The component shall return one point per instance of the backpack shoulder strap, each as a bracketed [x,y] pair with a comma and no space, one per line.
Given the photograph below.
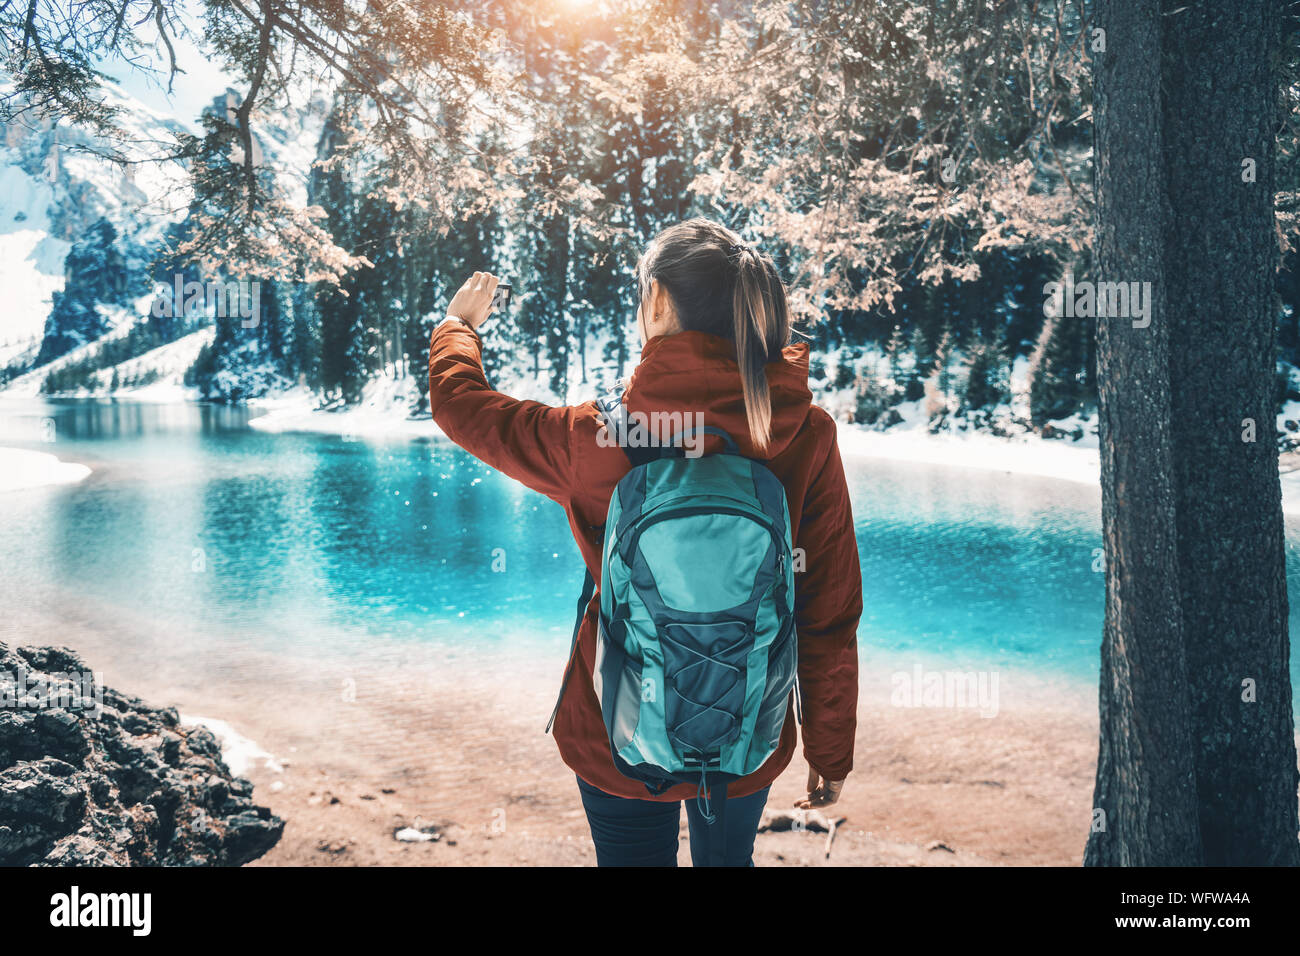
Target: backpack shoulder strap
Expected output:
[588,589]
[614,414]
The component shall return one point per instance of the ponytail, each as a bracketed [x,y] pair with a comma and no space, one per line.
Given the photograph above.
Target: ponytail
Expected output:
[723,286]
[755,326]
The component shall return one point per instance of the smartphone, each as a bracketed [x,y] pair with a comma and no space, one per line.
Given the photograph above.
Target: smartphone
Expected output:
[501,298]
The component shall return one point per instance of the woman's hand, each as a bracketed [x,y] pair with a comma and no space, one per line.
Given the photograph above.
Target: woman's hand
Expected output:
[821,792]
[473,301]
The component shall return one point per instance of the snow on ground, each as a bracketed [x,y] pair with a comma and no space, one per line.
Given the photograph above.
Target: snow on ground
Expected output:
[1026,454]
[1022,451]
[29,385]
[384,411]
[170,362]
[20,468]
[1291,493]
[31,260]
[146,196]
[79,186]
[1076,457]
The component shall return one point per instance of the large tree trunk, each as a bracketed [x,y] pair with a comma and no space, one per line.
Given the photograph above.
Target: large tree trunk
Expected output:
[1146,785]
[1190,769]
[1221,261]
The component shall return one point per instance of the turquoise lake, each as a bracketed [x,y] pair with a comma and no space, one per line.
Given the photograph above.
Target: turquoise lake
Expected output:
[196,522]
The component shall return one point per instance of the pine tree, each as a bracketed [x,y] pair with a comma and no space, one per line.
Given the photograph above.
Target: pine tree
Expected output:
[1059,376]
[303,354]
[922,354]
[342,363]
[96,275]
[986,374]
[1057,369]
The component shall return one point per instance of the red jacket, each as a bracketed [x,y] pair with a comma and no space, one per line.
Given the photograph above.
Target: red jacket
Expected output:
[555,451]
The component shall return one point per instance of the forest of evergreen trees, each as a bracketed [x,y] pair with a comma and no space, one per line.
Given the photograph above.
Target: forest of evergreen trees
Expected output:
[919,171]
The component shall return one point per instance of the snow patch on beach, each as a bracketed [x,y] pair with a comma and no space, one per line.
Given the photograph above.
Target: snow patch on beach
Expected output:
[239,752]
[20,468]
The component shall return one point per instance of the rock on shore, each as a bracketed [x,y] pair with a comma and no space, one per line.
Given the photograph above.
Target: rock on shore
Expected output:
[127,786]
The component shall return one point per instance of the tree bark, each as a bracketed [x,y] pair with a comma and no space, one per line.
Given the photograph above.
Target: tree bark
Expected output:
[1146,785]
[1218,65]
[1190,770]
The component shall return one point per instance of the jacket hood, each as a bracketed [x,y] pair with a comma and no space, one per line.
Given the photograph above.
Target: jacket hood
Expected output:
[689,371]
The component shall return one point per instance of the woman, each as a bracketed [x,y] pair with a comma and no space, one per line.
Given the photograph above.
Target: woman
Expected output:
[714,326]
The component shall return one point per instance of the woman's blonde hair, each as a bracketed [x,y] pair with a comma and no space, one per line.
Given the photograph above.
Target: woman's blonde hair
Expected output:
[720,284]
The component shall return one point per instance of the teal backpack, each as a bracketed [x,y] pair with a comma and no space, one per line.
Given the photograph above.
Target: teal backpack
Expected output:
[696,649]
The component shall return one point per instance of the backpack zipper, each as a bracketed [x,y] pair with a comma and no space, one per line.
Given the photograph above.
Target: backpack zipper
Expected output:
[756,516]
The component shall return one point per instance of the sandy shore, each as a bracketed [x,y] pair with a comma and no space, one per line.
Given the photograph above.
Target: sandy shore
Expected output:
[410,736]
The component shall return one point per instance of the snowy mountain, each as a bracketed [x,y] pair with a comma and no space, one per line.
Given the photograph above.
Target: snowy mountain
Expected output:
[79,234]
[31,258]
[56,186]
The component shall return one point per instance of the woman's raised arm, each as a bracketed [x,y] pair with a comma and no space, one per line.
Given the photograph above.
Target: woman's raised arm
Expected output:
[531,442]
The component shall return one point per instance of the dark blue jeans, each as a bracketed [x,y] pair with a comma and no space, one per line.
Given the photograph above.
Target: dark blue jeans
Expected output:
[644,832]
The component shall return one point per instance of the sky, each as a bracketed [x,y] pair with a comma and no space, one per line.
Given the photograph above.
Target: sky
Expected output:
[192,90]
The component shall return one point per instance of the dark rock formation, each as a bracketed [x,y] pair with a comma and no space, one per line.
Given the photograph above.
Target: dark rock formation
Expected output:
[103,779]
